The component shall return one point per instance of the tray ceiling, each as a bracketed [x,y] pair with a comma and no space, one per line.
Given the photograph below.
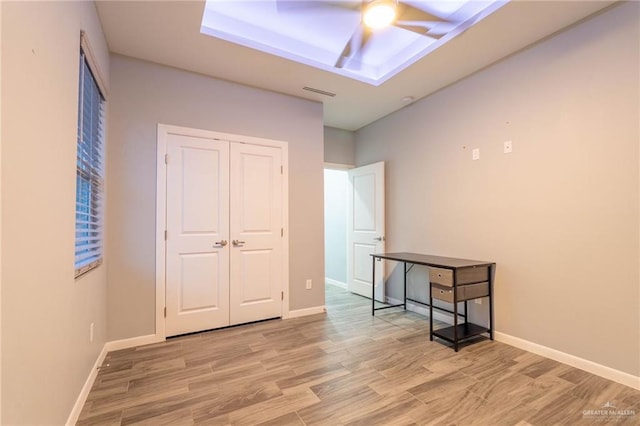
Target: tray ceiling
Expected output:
[331,36]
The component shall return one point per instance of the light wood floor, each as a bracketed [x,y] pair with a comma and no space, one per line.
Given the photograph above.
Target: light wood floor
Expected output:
[345,368]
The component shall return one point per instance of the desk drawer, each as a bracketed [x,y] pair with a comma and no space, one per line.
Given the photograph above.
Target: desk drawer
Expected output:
[474,291]
[445,293]
[441,276]
[465,292]
[473,275]
[464,276]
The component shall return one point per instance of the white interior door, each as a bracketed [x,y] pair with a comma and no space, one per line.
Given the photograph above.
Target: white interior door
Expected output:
[197,258]
[256,233]
[365,229]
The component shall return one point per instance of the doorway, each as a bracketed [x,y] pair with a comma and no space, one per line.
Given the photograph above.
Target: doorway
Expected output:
[335,226]
[355,228]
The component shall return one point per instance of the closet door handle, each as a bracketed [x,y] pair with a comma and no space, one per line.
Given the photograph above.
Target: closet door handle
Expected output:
[238,243]
[220,243]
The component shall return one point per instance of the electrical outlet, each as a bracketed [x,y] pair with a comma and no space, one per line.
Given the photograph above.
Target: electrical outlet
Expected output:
[478,301]
[91,332]
[508,147]
[475,154]
[309,284]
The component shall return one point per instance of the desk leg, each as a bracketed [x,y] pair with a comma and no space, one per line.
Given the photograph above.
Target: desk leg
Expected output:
[455,318]
[405,286]
[430,314]
[373,287]
[491,276]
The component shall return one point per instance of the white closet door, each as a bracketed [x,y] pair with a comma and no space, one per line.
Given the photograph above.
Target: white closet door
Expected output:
[256,223]
[197,260]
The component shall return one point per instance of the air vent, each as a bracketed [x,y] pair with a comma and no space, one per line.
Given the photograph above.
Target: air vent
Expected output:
[322,92]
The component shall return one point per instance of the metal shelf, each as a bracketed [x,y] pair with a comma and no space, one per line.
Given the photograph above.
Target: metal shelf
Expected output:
[464,331]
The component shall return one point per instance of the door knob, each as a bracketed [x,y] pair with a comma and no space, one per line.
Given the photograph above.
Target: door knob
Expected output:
[379,238]
[237,242]
[220,243]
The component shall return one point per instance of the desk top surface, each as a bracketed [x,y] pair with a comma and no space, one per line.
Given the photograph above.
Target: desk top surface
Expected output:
[429,260]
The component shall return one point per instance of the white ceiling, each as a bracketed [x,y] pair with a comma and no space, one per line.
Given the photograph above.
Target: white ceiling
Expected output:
[168,33]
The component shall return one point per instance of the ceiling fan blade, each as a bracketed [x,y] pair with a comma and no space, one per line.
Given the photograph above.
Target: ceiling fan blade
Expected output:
[358,40]
[347,4]
[410,13]
[296,6]
[314,5]
[419,29]
[344,56]
[366,34]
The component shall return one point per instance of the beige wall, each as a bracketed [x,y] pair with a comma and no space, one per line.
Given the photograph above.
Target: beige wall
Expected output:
[339,146]
[560,214]
[145,94]
[46,354]
[0,212]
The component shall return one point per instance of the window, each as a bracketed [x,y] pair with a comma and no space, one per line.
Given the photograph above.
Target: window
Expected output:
[89,174]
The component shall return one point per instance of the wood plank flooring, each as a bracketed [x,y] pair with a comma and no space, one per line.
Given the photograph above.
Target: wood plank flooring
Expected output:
[346,368]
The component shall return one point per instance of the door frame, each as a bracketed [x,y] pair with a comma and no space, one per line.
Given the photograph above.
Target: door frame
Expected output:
[161,209]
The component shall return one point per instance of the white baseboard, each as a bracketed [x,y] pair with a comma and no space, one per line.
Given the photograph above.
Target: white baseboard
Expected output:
[108,347]
[307,311]
[423,310]
[84,393]
[335,282]
[572,360]
[116,345]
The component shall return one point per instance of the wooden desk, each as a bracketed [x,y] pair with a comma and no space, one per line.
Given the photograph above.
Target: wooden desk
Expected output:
[450,279]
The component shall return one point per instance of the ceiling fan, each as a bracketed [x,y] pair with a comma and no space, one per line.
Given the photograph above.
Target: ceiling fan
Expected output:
[402,15]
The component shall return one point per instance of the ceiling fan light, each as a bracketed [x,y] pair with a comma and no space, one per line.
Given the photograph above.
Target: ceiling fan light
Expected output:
[380,13]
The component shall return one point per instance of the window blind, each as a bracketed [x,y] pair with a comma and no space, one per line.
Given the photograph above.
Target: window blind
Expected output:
[89,172]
